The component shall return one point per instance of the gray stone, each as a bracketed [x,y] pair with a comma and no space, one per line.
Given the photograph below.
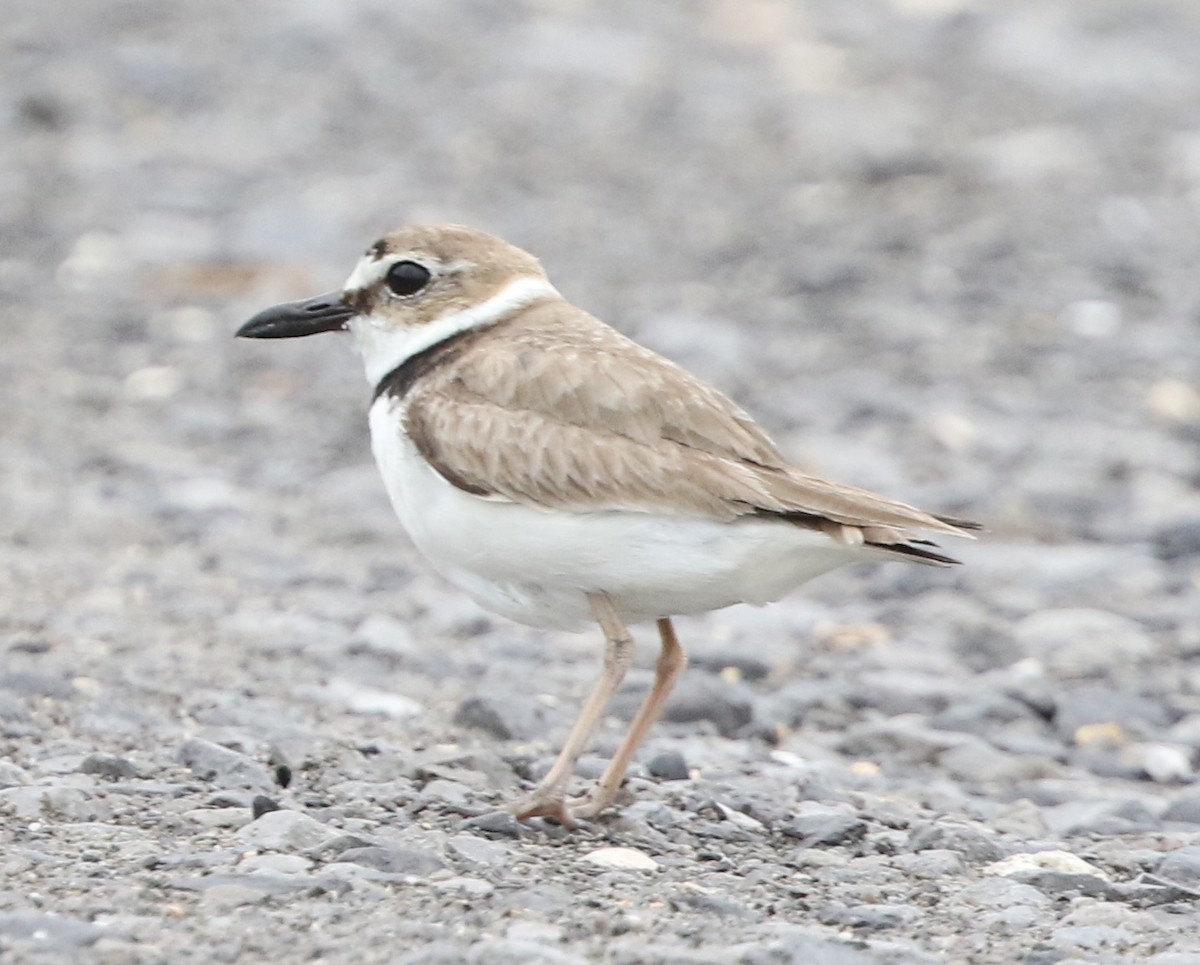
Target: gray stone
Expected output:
[285,831]
[261,884]
[903,738]
[49,930]
[12,776]
[978,761]
[1178,540]
[107,767]
[1081,704]
[933,863]
[976,845]
[394,860]
[1080,642]
[435,953]
[1093,937]
[802,949]
[479,852]
[550,900]
[748,666]
[504,716]
[480,771]
[223,766]
[442,794]
[1003,892]
[335,847]
[506,951]
[32,684]
[1182,865]
[224,896]
[496,823]
[465,887]
[1184,807]
[712,906]
[896,691]
[702,697]
[653,813]
[12,709]
[1099,817]
[55,803]
[869,917]
[983,714]
[825,830]
[668,766]
[1064,883]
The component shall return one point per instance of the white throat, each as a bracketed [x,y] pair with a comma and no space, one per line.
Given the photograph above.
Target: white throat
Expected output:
[383,348]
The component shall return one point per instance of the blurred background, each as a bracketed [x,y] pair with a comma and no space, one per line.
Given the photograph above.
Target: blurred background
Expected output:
[946,249]
[942,248]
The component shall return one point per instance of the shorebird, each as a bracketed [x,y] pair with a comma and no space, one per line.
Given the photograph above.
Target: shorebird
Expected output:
[561,474]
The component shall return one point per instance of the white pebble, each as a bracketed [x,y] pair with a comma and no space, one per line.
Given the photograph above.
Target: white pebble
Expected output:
[95,256]
[621,859]
[1093,318]
[1174,400]
[1062,861]
[952,431]
[1163,763]
[153,382]
[364,700]
[739,818]
[280,864]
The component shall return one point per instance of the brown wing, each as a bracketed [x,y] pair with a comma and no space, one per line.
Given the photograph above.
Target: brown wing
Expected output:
[562,363]
[563,412]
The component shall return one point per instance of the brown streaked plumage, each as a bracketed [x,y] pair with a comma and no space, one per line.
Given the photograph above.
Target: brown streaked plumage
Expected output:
[557,472]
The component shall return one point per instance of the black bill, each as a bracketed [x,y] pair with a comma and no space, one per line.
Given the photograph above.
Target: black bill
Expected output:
[325,313]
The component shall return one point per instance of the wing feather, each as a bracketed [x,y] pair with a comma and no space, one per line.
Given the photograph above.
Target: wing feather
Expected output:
[563,412]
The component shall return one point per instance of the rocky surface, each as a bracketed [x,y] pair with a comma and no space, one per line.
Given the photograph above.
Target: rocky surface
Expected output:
[942,248]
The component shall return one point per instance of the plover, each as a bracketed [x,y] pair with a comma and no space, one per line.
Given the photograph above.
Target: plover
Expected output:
[561,474]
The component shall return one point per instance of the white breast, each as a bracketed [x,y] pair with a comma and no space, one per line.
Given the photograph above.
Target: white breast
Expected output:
[535,566]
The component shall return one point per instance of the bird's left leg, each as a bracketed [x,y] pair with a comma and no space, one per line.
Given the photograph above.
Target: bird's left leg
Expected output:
[547,799]
[671,663]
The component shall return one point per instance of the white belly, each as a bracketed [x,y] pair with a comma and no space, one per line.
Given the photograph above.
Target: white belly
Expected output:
[536,566]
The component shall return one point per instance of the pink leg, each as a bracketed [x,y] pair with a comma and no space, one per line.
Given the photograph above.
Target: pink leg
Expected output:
[547,799]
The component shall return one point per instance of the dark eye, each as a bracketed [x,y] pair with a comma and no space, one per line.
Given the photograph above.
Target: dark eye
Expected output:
[406,278]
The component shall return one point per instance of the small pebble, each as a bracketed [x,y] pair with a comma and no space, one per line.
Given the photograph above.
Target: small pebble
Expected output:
[1182,865]
[285,831]
[1043,861]
[480,852]
[621,859]
[668,766]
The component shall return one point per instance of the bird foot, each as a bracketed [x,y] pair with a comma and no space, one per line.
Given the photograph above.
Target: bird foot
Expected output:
[544,802]
[550,802]
[590,805]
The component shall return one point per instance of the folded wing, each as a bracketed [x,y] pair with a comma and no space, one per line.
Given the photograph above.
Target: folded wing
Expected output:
[576,417]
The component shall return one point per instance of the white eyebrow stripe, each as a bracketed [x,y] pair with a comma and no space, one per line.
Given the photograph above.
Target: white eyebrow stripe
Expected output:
[368,271]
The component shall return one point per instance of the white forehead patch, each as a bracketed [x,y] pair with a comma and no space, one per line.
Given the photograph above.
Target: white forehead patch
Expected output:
[368,272]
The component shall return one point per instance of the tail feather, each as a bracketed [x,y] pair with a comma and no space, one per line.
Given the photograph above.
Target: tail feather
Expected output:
[957,523]
[891,539]
[915,550]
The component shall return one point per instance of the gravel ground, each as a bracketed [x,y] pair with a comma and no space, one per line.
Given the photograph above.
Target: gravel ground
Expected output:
[942,248]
